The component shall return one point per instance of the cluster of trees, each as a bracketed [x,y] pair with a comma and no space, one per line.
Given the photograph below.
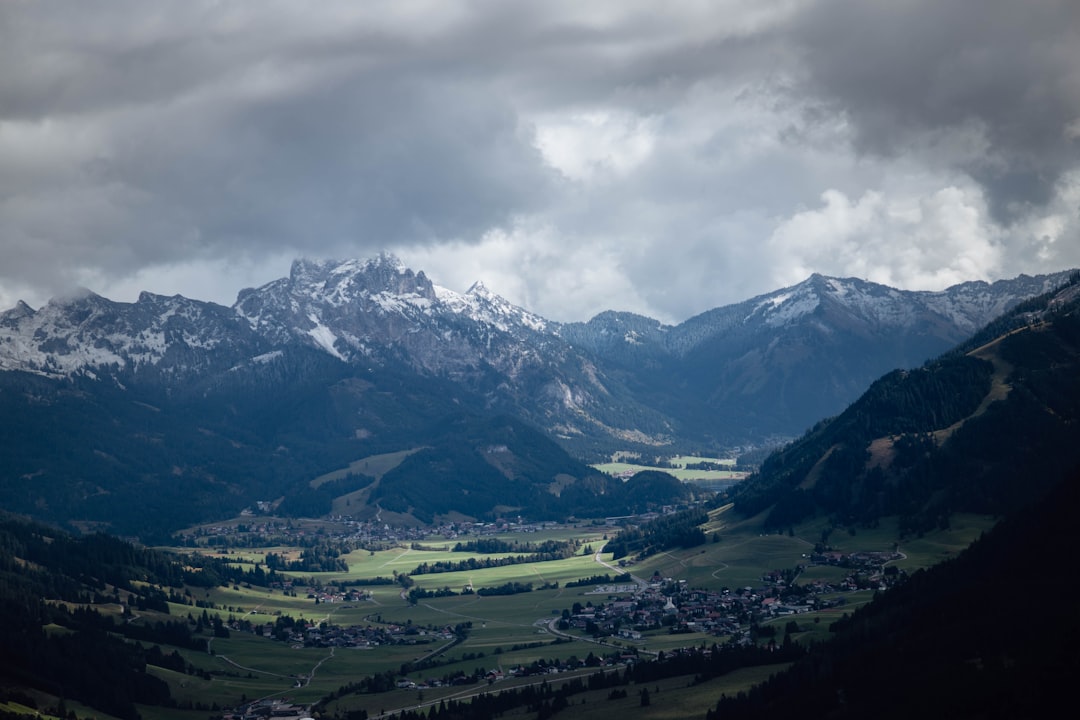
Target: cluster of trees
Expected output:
[416,594]
[604,579]
[677,530]
[508,588]
[319,558]
[94,660]
[473,563]
[206,571]
[558,549]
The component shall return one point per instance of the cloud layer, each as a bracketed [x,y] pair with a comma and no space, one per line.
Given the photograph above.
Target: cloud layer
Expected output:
[574,156]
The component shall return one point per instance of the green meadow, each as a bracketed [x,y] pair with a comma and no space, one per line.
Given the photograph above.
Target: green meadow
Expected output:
[682,473]
[506,630]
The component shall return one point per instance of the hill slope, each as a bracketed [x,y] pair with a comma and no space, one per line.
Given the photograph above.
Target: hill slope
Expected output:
[983,428]
[949,642]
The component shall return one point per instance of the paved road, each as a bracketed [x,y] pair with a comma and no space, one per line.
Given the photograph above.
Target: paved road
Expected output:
[620,571]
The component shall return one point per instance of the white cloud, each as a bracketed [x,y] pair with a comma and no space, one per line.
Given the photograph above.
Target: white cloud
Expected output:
[538,268]
[919,243]
[586,146]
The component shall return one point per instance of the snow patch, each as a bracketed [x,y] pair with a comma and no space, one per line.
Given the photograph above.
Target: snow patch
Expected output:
[323,337]
[267,357]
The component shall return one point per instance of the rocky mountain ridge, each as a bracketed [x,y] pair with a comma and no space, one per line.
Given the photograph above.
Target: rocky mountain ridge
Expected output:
[740,373]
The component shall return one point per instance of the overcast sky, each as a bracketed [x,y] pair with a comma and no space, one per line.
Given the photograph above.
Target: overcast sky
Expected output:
[662,158]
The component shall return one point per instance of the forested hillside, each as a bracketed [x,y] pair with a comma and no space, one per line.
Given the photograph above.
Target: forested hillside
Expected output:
[981,429]
[954,641]
[65,600]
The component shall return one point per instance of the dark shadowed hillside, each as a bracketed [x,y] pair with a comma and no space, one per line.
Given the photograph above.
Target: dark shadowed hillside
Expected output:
[984,428]
[953,641]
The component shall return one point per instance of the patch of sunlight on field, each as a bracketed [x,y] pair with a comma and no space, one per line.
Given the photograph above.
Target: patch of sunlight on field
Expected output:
[374,466]
[621,468]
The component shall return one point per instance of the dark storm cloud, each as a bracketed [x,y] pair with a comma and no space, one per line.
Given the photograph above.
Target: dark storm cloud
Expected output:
[663,158]
[184,130]
[1004,73]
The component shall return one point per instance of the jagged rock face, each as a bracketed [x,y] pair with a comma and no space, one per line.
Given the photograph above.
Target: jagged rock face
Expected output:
[379,309]
[348,309]
[767,366]
[90,334]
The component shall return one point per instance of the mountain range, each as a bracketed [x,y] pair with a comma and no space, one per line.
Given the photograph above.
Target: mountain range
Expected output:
[214,407]
[769,366]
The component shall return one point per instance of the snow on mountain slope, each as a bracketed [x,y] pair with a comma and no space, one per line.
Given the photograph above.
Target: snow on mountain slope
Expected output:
[958,310]
[358,310]
[379,308]
[86,331]
[784,358]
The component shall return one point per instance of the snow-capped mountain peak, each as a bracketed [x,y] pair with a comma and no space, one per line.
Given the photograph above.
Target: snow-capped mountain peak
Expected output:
[760,358]
[84,331]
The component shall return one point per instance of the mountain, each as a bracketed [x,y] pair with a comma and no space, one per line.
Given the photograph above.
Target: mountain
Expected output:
[986,427]
[150,415]
[157,337]
[775,364]
[740,374]
[368,316]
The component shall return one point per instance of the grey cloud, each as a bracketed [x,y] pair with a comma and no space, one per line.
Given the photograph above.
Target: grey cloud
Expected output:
[903,71]
[200,139]
[137,136]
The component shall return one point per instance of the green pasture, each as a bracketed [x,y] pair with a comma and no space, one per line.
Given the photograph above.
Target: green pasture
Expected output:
[943,544]
[249,666]
[366,565]
[684,460]
[225,688]
[813,627]
[373,466]
[617,468]
[823,573]
[19,709]
[736,560]
[507,619]
[256,603]
[670,698]
[743,553]
[252,666]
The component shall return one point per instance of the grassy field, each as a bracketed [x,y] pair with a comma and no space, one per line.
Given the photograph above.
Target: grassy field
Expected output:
[670,698]
[684,460]
[373,466]
[618,468]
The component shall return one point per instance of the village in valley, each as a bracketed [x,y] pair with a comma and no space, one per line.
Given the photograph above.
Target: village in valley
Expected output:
[627,609]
